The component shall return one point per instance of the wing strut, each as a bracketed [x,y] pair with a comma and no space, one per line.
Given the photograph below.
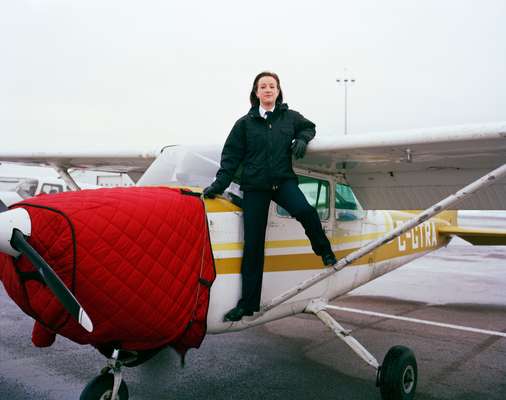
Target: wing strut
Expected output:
[371,246]
[67,178]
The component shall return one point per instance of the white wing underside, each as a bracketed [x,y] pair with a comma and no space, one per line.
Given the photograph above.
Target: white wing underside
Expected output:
[390,170]
[132,162]
[415,169]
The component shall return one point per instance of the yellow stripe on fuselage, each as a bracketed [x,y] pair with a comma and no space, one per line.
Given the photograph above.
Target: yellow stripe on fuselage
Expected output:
[308,261]
[277,244]
[220,204]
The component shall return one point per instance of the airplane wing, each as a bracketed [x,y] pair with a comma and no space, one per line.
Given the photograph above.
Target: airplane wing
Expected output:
[392,170]
[131,162]
[415,169]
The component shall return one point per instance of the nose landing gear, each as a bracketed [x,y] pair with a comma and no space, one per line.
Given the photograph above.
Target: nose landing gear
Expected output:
[109,385]
[101,388]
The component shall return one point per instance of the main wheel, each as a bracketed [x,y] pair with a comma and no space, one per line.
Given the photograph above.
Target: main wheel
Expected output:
[100,388]
[398,374]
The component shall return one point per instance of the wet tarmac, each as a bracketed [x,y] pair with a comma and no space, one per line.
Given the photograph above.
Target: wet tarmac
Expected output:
[298,358]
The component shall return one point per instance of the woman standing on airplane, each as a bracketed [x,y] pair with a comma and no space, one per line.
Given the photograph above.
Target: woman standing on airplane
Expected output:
[263,142]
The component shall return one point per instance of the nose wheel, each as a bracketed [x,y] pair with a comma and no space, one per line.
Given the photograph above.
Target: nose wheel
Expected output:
[109,385]
[101,387]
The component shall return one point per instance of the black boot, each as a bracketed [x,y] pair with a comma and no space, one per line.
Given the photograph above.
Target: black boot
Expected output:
[236,314]
[329,259]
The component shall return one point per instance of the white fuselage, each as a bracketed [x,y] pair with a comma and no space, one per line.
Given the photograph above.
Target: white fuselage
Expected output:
[289,260]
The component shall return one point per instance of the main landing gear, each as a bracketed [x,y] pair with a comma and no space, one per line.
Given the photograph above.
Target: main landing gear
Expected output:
[396,377]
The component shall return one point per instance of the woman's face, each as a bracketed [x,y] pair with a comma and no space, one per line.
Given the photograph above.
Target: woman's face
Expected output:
[267,91]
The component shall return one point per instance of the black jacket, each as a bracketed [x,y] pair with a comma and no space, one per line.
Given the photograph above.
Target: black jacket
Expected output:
[262,148]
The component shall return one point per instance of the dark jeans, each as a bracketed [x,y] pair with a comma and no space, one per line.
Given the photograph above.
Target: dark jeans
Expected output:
[255,207]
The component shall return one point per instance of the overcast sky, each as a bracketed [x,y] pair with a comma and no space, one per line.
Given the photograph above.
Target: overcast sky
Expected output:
[164,72]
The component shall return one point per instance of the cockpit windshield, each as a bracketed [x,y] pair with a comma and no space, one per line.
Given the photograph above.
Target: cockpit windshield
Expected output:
[183,166]
[190,167]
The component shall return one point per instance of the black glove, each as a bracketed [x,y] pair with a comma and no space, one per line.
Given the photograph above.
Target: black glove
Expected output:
[299,148]
[210,192]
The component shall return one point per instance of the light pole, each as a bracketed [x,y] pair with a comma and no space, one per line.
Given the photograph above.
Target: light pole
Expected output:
[345,81]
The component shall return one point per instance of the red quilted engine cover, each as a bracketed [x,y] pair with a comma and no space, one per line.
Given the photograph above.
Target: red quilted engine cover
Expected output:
[138,260]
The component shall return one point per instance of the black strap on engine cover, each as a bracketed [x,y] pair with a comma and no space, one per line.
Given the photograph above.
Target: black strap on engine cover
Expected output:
[188,192]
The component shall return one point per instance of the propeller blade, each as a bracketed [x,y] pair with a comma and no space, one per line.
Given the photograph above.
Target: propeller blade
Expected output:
[52,280]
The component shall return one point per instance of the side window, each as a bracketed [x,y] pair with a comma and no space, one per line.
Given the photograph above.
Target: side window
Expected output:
[317,194]
[27,188]
[50,189]
[347,207]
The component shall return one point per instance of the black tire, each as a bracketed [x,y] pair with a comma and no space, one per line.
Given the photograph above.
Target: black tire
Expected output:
[398,375]
[100,388]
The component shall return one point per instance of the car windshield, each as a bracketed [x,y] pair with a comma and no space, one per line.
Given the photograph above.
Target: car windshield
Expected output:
[23,186]
[9,184]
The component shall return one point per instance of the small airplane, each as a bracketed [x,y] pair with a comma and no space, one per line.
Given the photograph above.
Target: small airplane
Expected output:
[365,189]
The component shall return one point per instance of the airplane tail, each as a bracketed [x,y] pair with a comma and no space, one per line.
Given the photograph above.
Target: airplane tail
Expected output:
[476,236]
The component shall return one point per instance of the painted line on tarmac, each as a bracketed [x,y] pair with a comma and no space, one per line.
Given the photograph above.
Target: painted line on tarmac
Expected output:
[418,321]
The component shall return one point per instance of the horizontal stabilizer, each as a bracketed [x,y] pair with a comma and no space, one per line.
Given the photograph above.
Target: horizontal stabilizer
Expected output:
[477,236]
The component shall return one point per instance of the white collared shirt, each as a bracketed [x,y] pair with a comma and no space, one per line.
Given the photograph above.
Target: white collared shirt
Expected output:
[262,111]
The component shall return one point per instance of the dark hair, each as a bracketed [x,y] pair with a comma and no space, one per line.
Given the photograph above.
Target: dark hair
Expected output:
[255,102]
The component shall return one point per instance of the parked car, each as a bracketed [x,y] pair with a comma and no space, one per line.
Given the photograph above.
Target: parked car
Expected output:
[14,189]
